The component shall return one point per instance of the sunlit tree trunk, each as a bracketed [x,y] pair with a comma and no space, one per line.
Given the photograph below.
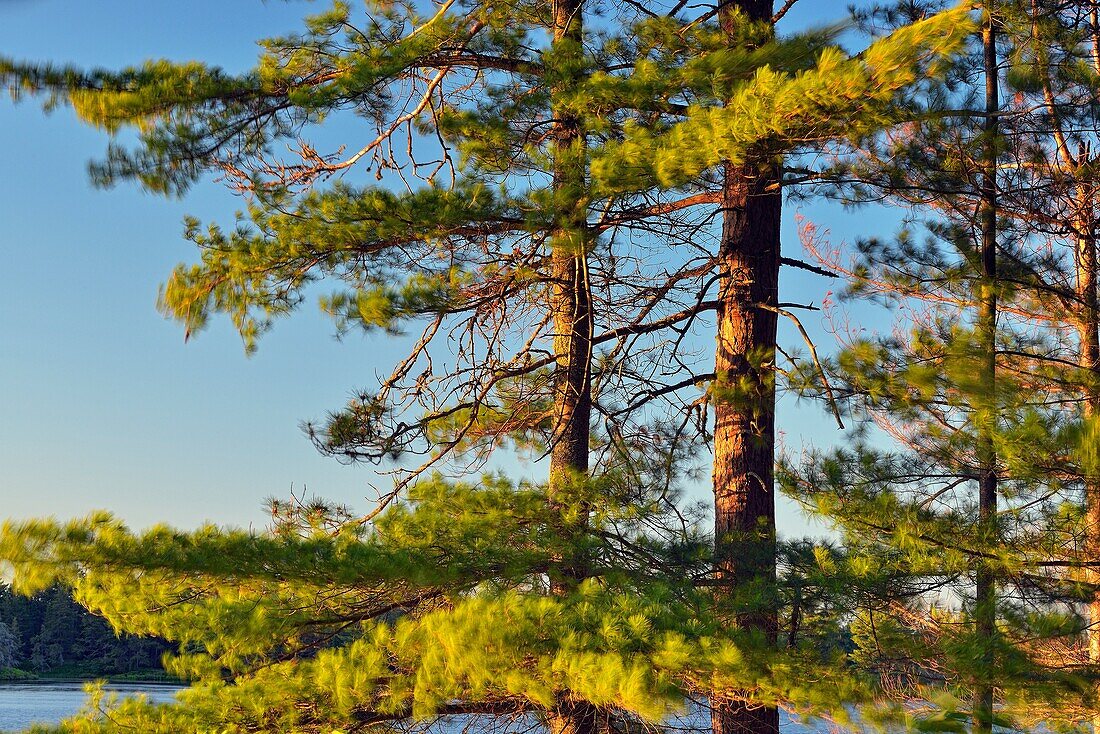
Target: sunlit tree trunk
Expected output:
[1089,338]
[570,298]
[1089,335]
[571,307]
[744,409]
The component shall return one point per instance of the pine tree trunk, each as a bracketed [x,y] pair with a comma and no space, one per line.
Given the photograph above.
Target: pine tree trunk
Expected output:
[985,583]
[1088,330]
[744,413]
[571,308]
[744,408]
[1089,336]
[570,291]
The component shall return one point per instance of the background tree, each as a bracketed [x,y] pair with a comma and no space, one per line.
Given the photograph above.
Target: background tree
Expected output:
[50,632]
[8,646]
[1057,73]
[924,387]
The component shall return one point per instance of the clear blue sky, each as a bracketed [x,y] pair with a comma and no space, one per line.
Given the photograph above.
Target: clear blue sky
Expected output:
[102,405]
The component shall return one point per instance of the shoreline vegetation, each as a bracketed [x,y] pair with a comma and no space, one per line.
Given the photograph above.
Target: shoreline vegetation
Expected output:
[50,637]
[18,675]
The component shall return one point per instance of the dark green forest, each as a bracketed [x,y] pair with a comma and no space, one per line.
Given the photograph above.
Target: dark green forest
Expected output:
[50,635]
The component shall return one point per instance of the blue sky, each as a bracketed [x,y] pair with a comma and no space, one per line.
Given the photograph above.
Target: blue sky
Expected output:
[102,404]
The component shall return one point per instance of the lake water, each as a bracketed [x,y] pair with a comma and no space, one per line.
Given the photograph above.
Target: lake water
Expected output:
[23,704]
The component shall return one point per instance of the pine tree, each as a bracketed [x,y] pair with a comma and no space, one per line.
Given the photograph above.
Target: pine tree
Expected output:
[744,405]
[1058,71]
[8,646]
[494,597]
[999,410]
[985,589]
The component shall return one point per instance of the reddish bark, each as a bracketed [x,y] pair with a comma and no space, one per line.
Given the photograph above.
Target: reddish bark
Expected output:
[744,409]
[571,309]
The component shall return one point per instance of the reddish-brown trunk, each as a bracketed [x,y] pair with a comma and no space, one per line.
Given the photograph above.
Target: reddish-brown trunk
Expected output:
[744,407]
[570,292]
[1089,335]
[744,410]
[1088,329]
[571,309]
[1090,353]
[570,297]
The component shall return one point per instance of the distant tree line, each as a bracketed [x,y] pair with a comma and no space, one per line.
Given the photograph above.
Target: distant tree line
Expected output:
[49,633]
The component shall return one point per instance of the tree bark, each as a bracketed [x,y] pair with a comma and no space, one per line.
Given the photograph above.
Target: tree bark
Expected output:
[571,309]
[1089,337]
[570,291]
[744,415]
[570,297]
[985,582]
[744,405]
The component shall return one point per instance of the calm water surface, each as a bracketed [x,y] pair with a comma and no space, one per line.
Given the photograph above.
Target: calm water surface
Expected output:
[22,704]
